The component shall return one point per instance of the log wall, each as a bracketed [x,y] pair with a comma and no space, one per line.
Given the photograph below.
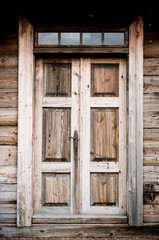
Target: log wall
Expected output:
[8,124]
[151,122]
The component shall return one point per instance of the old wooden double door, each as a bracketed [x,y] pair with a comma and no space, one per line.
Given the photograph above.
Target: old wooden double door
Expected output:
[80,162]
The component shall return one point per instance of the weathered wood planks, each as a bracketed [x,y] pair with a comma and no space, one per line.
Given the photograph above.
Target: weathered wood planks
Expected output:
[135,155]
[151,43]
[81,231]
[151,126]
[25,121]
[8,125]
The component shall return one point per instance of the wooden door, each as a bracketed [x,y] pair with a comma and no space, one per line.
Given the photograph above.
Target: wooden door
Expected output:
[103,132]
[87,182]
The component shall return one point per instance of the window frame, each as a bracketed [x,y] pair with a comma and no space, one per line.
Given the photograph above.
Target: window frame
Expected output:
[102,48]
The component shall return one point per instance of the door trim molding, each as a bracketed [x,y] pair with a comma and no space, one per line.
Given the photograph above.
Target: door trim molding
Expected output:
[25,123]
[135,140]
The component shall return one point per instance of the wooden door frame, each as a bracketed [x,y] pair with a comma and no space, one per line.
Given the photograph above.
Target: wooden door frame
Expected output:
[25,123]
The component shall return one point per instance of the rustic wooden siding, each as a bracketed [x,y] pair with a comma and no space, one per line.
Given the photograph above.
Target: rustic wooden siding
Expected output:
[8,125]
[151,122]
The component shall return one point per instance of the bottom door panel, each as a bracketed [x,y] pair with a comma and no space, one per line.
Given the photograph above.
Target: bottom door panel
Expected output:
[56,189]
[104,189]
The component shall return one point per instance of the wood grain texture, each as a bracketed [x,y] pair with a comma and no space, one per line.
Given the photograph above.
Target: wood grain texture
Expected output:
[56,132]
[8,125]
[151,66]
[8,116]
[82,231]
[8,155]
[25,121]
[105,80]
[104,189]
[57,79]
[105,134]
[151,43]
[56,190]
[135,196]
[8,135]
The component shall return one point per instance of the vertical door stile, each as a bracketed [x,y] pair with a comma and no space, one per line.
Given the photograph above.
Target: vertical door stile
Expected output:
[122,137]
[37,193]
[85,133]
[75,163]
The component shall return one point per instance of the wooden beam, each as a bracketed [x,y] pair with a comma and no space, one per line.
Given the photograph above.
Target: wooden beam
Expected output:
[135,152]
[110,231]
[25,95]
[101,50]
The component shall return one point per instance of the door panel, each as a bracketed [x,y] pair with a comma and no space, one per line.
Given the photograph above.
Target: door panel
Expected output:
[56,189]
[56,132]
[89,96]
[104,80]
[104,189]
[57,79]
[104,134]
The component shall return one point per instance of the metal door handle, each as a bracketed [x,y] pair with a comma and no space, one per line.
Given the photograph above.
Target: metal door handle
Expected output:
[75,143]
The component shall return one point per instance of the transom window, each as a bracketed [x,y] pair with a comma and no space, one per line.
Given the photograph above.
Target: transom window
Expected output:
[81,38]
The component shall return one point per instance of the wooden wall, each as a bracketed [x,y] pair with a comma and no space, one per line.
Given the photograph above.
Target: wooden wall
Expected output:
[151,121]
[8,124]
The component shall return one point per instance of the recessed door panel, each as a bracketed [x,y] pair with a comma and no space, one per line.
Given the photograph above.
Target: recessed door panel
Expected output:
[56,132]
[57,79]
[104,80]
[104,188]
[104,134]
[56,189]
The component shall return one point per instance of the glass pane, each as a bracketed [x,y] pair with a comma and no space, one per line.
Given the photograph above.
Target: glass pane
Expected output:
[105,80]
[114,38]
[48,38]
[92,38]
[70,38]
[104,134]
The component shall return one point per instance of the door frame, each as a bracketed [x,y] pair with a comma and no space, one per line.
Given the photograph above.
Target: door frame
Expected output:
[25,123]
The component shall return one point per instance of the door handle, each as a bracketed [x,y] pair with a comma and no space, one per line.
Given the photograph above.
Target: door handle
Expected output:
[75,143]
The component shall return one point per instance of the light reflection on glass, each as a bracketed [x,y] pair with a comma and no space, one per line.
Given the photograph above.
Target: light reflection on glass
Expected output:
[114,38]
[92,38]
[48,38]
[88,38]
[70,38]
